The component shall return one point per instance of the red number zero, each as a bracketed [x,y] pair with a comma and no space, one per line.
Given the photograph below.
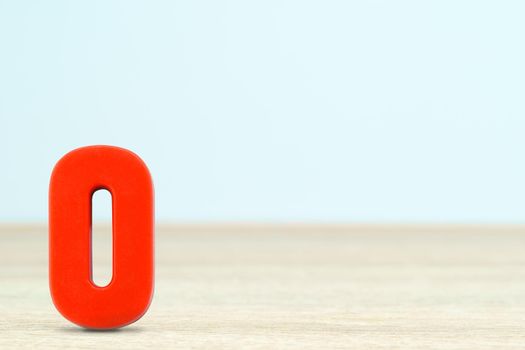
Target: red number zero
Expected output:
[75,178]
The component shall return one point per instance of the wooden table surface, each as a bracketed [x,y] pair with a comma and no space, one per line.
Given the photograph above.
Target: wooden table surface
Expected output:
[293,287]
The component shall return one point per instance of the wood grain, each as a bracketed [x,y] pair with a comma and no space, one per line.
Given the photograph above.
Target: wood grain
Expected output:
[293,287]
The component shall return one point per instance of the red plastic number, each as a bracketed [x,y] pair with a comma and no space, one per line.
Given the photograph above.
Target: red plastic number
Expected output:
[74,180]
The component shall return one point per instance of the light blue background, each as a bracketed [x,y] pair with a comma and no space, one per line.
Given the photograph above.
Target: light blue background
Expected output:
[310,111]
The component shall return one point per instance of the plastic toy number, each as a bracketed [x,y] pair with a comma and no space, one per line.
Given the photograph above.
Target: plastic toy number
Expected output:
[74,180]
